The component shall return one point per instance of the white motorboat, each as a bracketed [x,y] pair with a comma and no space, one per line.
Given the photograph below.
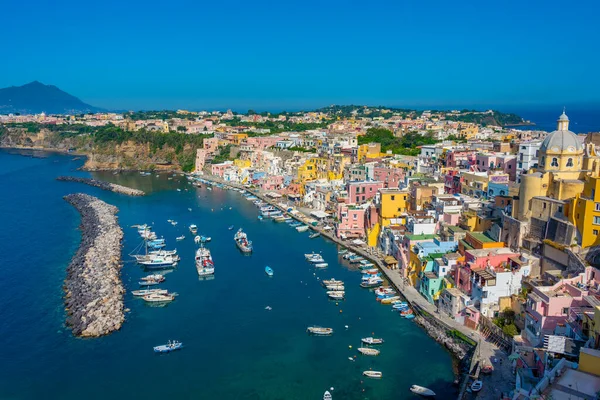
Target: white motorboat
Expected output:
[158,298]
[317,330]
[321,265]
[371,340]
[477,386]
[178,238]
[423,391]
[373,374]
[367,351]
[327,395]
[335,287]
[204,262]
[302,228]
[318,259]
[336,295]
[332,282]
[144,292]
[193,229]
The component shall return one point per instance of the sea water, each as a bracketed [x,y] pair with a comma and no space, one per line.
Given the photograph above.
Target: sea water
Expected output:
[234,347]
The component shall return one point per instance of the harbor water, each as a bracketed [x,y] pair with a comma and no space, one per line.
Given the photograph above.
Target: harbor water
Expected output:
[235,348]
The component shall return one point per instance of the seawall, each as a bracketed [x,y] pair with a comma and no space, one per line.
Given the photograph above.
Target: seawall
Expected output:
[93,287]
[113,187]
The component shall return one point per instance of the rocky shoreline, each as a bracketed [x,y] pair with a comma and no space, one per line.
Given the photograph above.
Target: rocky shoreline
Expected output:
[93,288]
[113,187]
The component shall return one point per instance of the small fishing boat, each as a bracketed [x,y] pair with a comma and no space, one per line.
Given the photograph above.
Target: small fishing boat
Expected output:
[269,271]
[202,239]
[179,238]
[371,284]
[279,218]
[348,255]
[158,298]
[477,386]
[316,259]
[153,277]
[373,374]
[174,223]
[400,306]
[159,262]
[335,287]
[193,229]
[372,271]
[231,227]
[423,391]
[407,313]
[410,316]
[332,282]
[327,395]
[169,347]
[355,260]
[367,351]
[317,330]
[342,252]
[314,235]
[371,340]
[321,265]
[366,266]
[389,300]
[144,292]
[260,217]
[302,228]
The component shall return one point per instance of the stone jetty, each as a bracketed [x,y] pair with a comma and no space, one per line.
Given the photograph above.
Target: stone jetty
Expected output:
[113,187]
[93,288]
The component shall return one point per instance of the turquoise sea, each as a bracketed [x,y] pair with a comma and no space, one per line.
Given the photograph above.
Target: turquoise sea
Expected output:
[234,348]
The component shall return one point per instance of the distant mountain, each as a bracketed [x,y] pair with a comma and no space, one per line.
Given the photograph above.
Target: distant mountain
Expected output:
[35,97]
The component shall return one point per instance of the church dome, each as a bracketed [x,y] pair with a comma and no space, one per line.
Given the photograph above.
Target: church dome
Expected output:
[562,139]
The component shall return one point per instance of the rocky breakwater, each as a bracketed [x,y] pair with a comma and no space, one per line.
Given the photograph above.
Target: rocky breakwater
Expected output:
[93,287]
[440,333]
[113,187]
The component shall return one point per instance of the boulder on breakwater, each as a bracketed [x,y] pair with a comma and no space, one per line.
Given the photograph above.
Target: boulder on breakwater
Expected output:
[113,187]
[93,288]
[440,334]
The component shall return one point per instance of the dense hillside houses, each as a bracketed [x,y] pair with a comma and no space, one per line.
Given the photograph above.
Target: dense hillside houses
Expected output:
[497,227]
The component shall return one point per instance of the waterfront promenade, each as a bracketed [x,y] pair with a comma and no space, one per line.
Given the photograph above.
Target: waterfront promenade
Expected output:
[500,382]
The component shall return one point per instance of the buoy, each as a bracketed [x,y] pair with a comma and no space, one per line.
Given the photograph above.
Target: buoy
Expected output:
[346,326]
[350,346]
[340,311]
[331,388]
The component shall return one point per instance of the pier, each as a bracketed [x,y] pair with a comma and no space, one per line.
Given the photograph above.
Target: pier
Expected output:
[112,187]
[93,287]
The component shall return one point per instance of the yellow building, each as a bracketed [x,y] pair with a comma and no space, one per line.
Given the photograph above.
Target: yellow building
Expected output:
[468,130]
[313,168]
[393,206]
[589,361]
[237,138]
[369,150]
[242,163]
[562,168]
[475,184]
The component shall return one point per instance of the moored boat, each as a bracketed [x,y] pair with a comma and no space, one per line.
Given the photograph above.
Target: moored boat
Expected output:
[423,391]
[193,229]
[373,374]
[390,300]
[178,238]
[302,228]
[371,340]
[327,395]
[241,240]
[314,235]
[332,282]
[317,330]
[269,271]
[477,386]
[144,292]
[335,287]
[367,351]
[336,294]
[158,298]
[204,262]
[321,265]
[169,347]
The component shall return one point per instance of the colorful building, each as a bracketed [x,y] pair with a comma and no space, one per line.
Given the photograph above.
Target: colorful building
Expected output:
[351,221]
[360,192]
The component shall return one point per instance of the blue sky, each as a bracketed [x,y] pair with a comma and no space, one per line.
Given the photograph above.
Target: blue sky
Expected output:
[291,55]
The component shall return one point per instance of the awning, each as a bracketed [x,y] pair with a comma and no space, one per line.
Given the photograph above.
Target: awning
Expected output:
[389,260]
[319,214]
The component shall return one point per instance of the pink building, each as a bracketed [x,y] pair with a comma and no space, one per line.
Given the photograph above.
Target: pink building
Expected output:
[261,143]
[210,144]
[488,258]
[201,155]
[359,192]
[460,158]
[351,221]
[485,161]
[451,218]
[219,169]
[391,177]
[274,182]
[548,307]
[453,182]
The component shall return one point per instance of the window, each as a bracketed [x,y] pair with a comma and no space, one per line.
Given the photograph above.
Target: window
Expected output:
[399,209]
[570,162]
[354,217]
[544,205]
[595,232]
[560,208]
[509,166]
[554,162]
[596,221]
[477,162]
[565,310]
[523,148]
[393,198]
[597,206]
[357,199]
[404,197]
[520,165]
[542,161]
[363,198]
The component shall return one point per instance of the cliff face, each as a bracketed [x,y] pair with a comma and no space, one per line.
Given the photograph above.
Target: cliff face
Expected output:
[106,156]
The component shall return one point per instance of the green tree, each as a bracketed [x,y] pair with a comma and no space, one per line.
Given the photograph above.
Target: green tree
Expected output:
[510,330]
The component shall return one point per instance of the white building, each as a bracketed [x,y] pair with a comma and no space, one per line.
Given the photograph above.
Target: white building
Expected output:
[527,157]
